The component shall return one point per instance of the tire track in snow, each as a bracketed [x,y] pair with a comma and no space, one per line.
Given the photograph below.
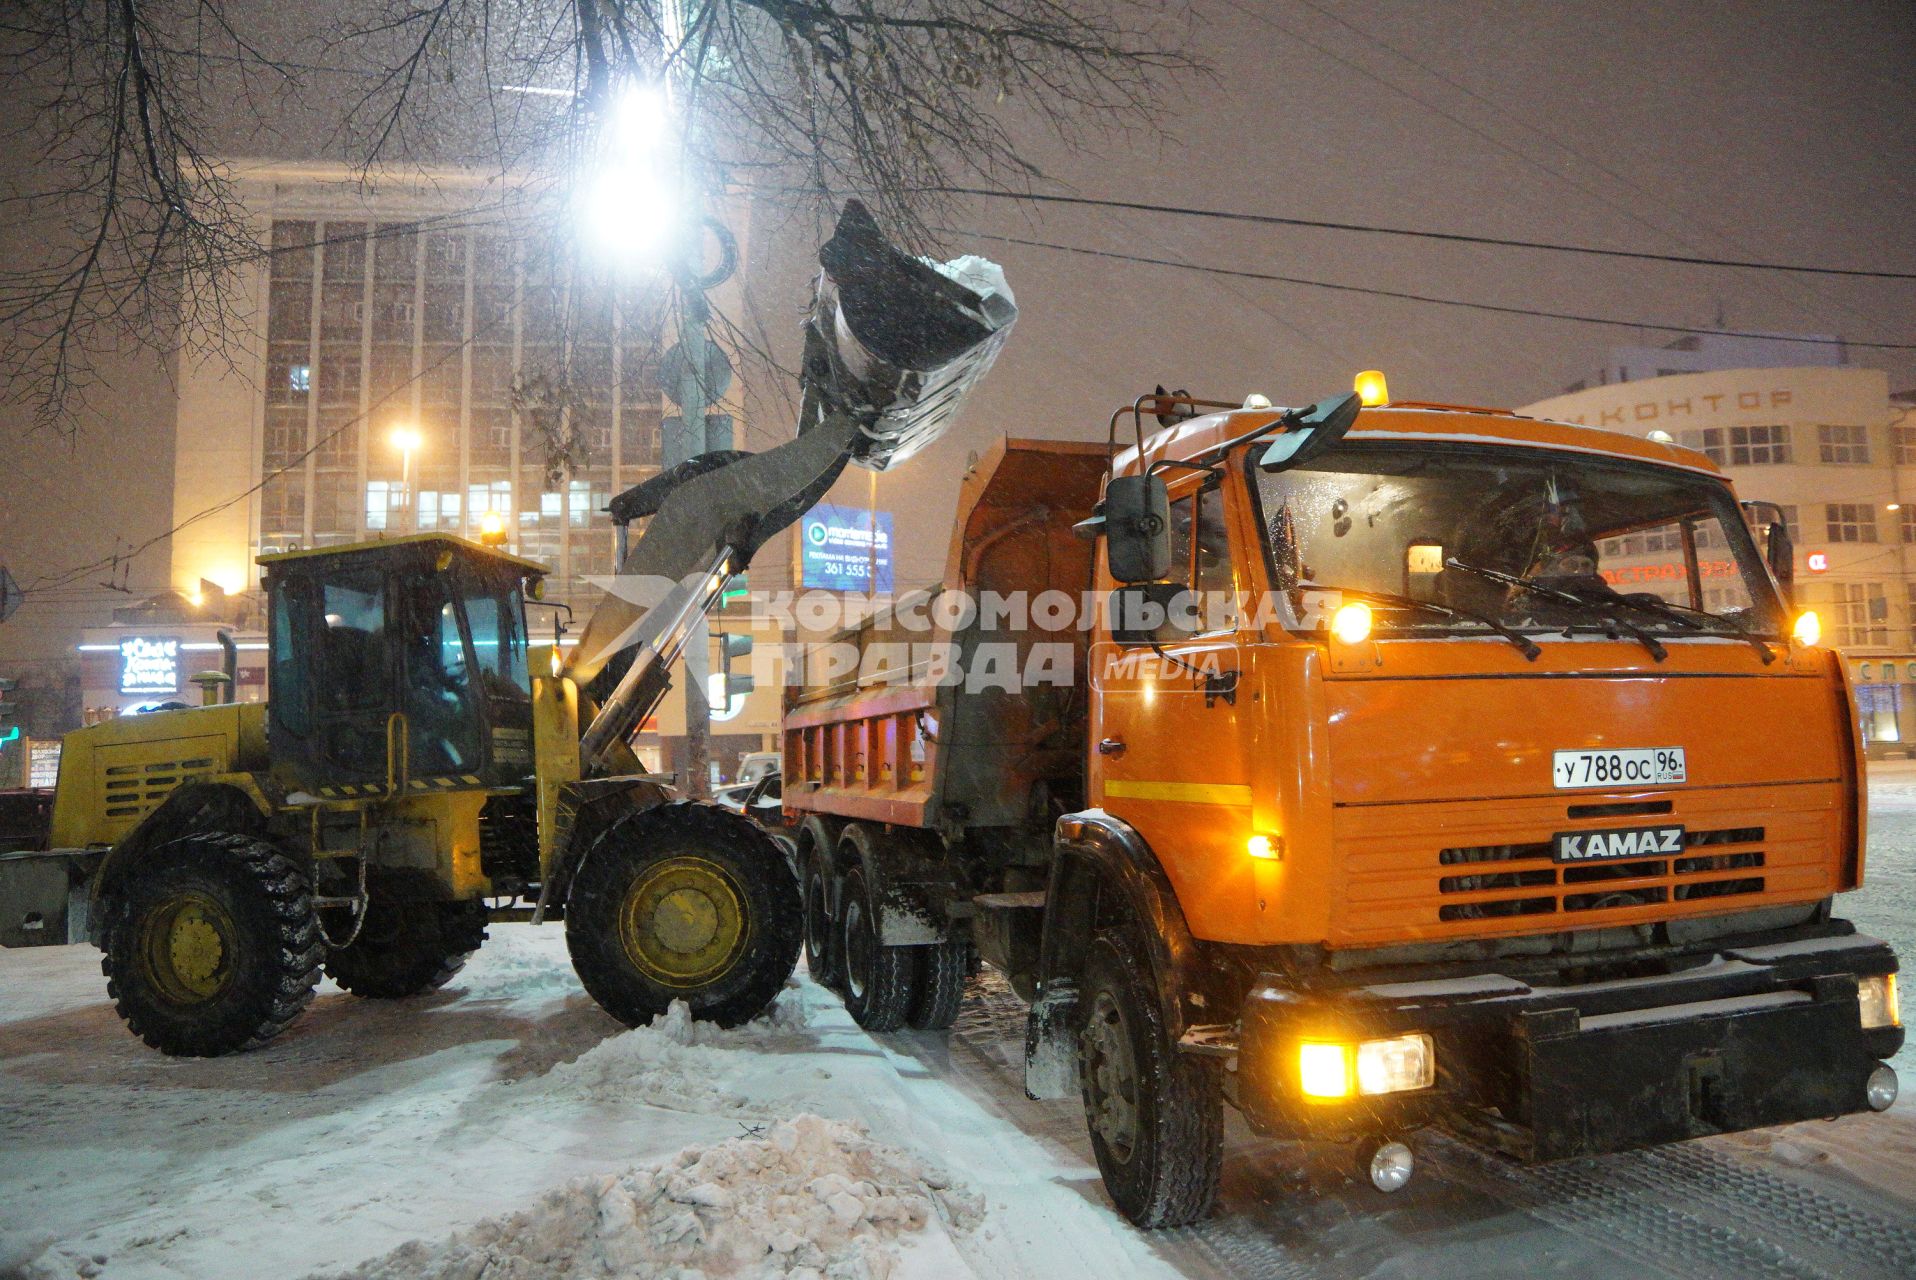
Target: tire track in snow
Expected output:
[1672,1209]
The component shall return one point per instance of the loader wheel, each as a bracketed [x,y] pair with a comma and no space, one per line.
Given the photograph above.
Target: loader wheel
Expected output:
[878,978]
[406,948]
[1156,1115]
[212,945]
[684,902]
[821,947]
[940,988]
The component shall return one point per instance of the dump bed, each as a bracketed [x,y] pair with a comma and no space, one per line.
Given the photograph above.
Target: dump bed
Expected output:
[924,715]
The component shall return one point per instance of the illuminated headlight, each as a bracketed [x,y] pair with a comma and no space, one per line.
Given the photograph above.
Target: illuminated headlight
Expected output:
[1329,1072]
[1876,997]
[1396,1065]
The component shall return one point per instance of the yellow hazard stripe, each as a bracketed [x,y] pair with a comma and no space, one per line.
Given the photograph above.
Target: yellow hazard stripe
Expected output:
[1235,793]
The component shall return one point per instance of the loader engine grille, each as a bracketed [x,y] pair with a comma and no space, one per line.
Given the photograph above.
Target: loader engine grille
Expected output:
[134,790]
[1535,885]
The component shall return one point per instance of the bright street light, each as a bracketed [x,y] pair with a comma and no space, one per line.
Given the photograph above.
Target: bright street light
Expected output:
[632,204]
[407,441]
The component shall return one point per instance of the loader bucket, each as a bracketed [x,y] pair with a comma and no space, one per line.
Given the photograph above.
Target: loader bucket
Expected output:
[897,341]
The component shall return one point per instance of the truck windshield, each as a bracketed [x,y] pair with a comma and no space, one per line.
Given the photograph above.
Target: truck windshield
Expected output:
[1532,540]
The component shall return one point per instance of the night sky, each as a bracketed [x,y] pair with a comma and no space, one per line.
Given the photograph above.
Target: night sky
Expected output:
[1770,131]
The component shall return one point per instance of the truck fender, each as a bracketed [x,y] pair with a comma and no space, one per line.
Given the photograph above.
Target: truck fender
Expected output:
[233,804]
[909,880]
[587,810]
[1103,876]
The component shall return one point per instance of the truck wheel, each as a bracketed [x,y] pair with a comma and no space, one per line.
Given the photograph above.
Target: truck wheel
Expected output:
[940,990]
[408,947]
[1156,1115]
[684,902]
[821,958]
[878,978]
[212,945]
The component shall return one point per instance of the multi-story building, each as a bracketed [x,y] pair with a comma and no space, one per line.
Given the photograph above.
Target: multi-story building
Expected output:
[1833,448]
[419,362]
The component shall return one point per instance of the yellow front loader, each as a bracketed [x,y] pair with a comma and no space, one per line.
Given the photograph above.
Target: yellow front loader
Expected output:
[421,767]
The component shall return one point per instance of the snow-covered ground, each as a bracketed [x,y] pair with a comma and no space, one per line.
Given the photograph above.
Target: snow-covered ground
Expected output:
[506,1129]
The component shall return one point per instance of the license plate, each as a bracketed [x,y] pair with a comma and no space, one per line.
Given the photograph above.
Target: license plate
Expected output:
[1622,842]
[1647,767]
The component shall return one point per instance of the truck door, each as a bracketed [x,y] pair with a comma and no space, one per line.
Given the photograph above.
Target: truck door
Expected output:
[1166,721]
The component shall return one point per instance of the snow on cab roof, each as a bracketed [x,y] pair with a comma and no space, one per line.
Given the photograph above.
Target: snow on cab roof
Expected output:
[1449,424]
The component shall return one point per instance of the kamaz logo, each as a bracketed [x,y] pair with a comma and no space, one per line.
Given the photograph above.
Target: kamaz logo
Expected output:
[1637,842]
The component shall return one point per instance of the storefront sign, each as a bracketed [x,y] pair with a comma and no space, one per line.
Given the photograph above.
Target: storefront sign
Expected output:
[149,665]
[838,554]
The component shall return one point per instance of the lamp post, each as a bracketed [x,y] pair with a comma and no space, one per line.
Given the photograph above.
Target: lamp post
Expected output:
[406,440]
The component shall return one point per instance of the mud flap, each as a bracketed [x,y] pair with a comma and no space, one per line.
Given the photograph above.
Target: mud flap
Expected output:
[1051,1049]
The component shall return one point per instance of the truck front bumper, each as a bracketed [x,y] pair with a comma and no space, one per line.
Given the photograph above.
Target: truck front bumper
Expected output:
[1755,1037]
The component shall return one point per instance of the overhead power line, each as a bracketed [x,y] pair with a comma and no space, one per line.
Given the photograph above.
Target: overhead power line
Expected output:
[1454,237]
[1575,317]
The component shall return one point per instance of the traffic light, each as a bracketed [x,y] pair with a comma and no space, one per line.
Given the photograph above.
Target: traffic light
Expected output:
[732,644]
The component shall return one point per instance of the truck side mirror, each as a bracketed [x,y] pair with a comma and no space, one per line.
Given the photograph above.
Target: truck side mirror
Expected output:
[1137,528]
[1778,550]
[1141,610]
[1312,431]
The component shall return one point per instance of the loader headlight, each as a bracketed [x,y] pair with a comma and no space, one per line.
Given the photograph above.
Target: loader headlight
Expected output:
[1876,998]
[1330,1071]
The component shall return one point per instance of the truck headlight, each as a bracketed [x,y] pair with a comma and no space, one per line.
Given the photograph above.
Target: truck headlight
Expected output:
[1876,998]
[1332,1071]
[1396,1065]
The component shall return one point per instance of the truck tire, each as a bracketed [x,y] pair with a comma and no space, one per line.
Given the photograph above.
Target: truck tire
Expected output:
[878,979]
[684,902]
[940,987]
[406,948]
[1156,1116]
[212,944]
[821,942]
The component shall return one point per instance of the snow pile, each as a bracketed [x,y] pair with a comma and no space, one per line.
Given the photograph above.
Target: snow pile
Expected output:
[812,1199]
[672,1062]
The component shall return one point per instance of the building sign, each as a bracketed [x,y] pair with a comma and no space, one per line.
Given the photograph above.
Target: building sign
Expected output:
[837,550]
[149,665]
[1671,408]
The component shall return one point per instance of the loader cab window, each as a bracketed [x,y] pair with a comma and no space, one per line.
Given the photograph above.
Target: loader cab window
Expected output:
[442,723]
[498,642]
[353,689]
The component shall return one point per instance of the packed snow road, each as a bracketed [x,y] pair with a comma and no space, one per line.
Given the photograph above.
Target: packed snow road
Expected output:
[510,1110]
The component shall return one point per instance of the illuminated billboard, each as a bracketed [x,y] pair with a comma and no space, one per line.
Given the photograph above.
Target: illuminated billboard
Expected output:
[149,665]
[837,552]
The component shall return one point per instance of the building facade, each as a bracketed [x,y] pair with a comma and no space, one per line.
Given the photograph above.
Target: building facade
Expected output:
[418,362]
[1833,448]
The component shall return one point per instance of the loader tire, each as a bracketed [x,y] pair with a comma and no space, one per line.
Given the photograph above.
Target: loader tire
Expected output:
[212,945]
[406,948]
[822,959]
[1156,1115]
[878,979]
[940,986]
[684,902]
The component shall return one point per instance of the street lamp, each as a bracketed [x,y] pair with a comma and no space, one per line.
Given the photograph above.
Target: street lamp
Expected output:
[633,205]
[406,440]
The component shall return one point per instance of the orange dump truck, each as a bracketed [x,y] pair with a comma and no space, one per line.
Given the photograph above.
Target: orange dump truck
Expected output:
[1365,768]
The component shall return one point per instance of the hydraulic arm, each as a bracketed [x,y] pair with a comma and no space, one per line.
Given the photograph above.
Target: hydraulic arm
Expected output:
[892,346]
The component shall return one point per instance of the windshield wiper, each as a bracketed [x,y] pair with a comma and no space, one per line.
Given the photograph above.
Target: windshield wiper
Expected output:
[1523,642]
[1642,637]
[1657,607]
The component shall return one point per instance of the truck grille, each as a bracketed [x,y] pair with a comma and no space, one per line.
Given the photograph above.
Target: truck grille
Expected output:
[1540,887]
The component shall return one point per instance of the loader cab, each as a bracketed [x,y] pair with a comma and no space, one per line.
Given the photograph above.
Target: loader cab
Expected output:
[399,664]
